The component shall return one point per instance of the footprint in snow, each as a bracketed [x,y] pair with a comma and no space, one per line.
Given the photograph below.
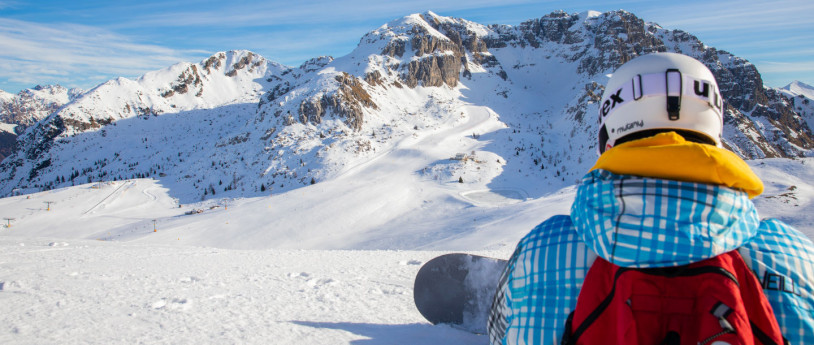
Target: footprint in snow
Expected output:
[189,280]
[317,283]
[181,304]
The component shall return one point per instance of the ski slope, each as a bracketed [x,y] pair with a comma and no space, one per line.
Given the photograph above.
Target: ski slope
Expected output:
[332,263]
[93,292]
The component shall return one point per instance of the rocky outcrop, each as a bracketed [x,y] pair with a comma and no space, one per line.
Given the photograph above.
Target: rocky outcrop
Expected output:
[440,60]
[438,63]
[32,105]
[346,102]
[187,80]
[27,108]
[250,61]
[6,144]
[433,70]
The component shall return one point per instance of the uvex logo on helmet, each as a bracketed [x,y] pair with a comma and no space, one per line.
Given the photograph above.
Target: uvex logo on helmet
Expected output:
[610,103]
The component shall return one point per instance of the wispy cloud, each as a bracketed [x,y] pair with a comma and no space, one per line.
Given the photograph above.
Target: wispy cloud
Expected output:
[129,40]
[787,67]
[82,44]
[321,12]
[779,74]
[728,16]
[6,4]
[65,53]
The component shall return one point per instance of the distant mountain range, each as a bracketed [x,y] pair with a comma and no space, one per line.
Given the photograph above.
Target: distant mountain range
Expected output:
[238,125]
[28,107]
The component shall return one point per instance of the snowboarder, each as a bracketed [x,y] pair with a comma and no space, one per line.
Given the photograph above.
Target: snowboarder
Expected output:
[663,193]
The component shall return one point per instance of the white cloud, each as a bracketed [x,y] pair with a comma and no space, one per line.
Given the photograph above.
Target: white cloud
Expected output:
[728,16]
[321,12]
[786,67]
[45,53]
[296,31]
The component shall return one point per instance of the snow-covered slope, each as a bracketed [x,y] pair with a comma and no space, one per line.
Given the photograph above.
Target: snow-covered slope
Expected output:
[237,125]
[801,97]
[387,202]
[71,292]
[123,263]
[32,105]
[798,88]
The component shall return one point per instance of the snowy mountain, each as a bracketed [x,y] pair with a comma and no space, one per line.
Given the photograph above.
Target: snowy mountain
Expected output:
[798,88]
[801,98]
[27,108]
[238,125]
[32,105]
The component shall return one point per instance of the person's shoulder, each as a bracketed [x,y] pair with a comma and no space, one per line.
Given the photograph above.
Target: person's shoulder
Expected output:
[774,235]
[554,227]
[774,227]
[557,222]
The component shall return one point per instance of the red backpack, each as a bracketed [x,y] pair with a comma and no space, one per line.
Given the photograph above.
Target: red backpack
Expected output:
[715,301]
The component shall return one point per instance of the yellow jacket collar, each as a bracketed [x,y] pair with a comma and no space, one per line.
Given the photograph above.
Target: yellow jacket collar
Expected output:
[670,156]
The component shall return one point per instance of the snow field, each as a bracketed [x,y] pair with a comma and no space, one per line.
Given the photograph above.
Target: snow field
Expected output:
[113,293]
[190,283]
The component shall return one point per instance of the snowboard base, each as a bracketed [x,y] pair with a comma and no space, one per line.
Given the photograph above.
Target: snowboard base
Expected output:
[457,289]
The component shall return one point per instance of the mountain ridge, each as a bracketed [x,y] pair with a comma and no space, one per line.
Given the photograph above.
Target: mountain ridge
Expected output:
[260,125]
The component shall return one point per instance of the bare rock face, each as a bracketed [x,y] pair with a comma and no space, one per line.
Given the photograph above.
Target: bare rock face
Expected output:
[28,107]
[433,70]
[32,105]
[619,40]
[6,144]
[186,81]
[346,102]
[439,60]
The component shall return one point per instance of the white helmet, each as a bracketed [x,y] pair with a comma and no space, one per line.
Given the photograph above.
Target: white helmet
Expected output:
[658,92]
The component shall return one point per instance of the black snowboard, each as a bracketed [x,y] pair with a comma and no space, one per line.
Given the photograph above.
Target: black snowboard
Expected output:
[457,289]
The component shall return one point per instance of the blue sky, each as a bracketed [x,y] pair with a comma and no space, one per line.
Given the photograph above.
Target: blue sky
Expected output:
[84,43]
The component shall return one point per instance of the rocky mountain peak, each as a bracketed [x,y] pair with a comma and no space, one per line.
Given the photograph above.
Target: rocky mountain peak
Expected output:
[32,105]
[258,124]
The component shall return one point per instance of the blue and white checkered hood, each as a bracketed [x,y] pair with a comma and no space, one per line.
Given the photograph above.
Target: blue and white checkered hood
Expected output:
[648,222]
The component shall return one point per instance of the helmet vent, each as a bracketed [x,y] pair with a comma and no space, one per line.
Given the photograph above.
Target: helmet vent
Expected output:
[673,88]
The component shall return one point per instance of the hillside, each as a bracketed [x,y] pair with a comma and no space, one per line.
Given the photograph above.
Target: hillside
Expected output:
[237,125]
[121,263]
[801,97]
